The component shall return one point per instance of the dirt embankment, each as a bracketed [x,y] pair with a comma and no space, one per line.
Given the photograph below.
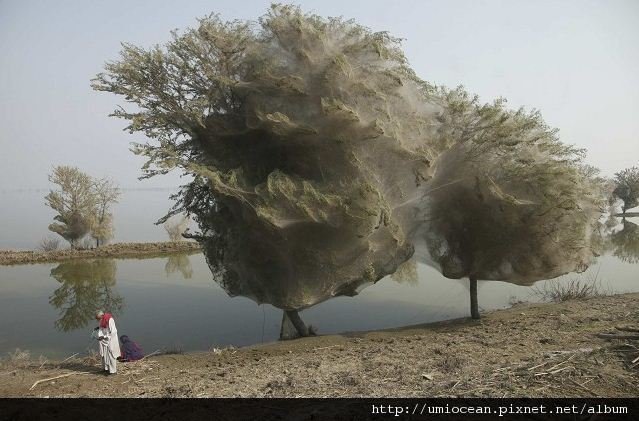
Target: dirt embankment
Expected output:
[530,350]
[117,250]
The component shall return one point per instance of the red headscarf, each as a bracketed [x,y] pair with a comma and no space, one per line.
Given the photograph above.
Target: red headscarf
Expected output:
[104,321]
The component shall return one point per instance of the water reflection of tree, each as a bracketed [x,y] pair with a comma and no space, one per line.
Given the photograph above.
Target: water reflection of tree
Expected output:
[179,263]
[625,243]
[87,285]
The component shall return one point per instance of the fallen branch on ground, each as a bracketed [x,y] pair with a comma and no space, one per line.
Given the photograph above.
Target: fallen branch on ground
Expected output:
[56,377]
[68,358]
[616,336]
[581,386]
[553,354]
[152,353]
[627,328]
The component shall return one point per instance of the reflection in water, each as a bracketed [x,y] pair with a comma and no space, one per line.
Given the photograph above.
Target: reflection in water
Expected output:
[87,285]
[90,284]
[179,263]
[625,243]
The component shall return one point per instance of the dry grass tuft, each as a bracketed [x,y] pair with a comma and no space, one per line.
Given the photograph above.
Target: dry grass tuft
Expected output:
[575,289]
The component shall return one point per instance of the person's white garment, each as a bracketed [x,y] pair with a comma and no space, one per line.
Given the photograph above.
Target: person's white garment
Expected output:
[109,347]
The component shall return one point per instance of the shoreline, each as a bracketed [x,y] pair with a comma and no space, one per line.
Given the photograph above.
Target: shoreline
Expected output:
[530,350]
[116,250]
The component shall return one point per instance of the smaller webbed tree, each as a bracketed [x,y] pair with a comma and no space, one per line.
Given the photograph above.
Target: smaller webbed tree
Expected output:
[74,201]
[627,188]
[509,201]
[106,193]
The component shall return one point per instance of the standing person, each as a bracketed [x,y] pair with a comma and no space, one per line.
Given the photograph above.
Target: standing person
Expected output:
[108,341]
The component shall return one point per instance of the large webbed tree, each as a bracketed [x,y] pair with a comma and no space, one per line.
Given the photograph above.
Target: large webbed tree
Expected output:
[301,138]
[312,147]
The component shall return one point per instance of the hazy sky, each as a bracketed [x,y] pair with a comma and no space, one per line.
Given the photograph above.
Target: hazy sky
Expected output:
[576,61]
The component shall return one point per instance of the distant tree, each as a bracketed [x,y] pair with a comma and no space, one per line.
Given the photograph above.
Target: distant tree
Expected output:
[83,205]
[627,188]
[74,202]
[49,244]
[176,226]
[106,194]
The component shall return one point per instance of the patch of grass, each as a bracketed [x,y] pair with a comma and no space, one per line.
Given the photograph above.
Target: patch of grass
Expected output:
[575,289]
[16,359]
[451,363]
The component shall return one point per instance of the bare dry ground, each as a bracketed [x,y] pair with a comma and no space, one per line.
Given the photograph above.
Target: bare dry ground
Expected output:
[117,250]
[532,350]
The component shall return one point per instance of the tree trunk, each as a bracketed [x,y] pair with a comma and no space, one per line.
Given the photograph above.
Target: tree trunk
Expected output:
[287,330]
[474,306]
[297,321]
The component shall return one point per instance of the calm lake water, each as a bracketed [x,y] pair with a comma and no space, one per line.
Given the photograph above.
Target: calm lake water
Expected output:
[173,302]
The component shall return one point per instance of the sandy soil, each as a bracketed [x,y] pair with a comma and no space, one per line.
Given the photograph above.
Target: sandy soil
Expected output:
[530,350]
[117,250]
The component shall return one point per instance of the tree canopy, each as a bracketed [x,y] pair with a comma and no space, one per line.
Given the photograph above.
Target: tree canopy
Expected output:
[82,204]
[74,202]
[320,162]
